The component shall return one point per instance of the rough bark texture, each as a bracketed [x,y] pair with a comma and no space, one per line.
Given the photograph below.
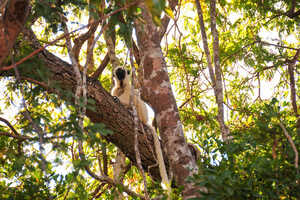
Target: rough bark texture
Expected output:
[119,168]
[215,75]
[219,88]
[291,69]
[156,90]
[105,110]
[11,23]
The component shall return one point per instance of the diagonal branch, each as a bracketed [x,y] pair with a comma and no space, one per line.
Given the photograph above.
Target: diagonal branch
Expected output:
[105,178]
[79,41]
[166,19]
[101,67]
[104,110]
[205,44]
[16,134]
[291,142]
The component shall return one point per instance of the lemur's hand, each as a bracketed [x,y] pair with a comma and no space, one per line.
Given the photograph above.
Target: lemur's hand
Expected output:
[116,99]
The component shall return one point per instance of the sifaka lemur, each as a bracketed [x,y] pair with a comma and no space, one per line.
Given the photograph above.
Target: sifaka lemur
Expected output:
[122,90]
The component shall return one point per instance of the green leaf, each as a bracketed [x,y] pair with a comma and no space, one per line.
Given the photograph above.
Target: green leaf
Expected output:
[169,12]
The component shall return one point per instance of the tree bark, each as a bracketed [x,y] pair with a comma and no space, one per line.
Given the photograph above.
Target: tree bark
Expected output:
[219,88]
[156,90]
[105,110]
[12,21]
[291,69]
[215,75]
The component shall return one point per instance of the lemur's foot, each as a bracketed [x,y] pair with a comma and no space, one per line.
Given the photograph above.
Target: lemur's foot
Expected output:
[116,99]
[92,81]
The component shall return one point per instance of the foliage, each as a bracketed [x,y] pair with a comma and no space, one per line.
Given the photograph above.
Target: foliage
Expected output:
[248,167]
[258,41]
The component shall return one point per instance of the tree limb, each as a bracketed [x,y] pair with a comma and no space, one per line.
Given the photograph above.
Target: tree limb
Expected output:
[10,126]
[105,110]
[101,67]
[291,142]
[218,72]
[291,65]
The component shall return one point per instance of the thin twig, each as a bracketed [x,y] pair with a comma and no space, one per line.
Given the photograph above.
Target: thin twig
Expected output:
[10,126]
[22,137]
[291,142]
[65,35]
[36,127]
[136,122]
[277,45]
[19,137]
[104,178]
[96,191]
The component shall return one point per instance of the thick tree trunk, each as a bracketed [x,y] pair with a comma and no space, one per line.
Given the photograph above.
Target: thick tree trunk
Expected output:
[156,90]
[12,20]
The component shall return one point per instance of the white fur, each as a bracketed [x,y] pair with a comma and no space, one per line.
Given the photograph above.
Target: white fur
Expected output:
[125,96]
[122,90]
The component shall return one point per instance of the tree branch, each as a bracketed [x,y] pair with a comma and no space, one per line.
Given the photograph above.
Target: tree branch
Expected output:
[104,178]
[19,137]
[101,67]
[166,19]
[219,88]
[291,66]
[11,127]
[136,120]
[115,116]
[291,142]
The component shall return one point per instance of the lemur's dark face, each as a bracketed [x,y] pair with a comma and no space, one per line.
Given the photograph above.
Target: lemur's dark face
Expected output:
[121,73]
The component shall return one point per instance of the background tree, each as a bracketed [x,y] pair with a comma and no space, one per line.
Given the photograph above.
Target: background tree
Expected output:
[233,67]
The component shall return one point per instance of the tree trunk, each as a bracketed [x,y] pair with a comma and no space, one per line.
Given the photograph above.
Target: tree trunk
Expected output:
[215,75]
[156,90]
[12,20]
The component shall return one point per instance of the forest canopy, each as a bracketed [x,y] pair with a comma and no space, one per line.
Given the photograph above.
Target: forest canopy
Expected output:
[220,78]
